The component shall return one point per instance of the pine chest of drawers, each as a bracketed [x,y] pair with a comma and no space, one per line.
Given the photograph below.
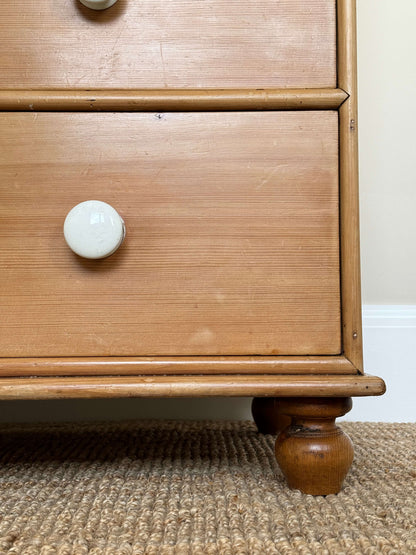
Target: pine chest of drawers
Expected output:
[225,135]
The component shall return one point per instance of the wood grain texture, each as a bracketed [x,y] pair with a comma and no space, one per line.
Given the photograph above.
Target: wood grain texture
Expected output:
[172,100]
[90,366]
[174,44]
[232,241]
[313,453]
[349,191]
[190,386]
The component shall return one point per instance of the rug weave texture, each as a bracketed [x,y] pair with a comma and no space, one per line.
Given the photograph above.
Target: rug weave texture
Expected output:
[178,488]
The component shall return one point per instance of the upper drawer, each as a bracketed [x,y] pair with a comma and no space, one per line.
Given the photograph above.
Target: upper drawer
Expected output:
[168,44]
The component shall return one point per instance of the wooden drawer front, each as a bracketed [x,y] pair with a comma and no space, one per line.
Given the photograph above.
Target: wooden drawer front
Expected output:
[168,43]
[232,240]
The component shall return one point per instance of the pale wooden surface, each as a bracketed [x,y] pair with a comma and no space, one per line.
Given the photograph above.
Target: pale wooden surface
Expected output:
[181,100]
[349,197]
[73,366]
[168,44]
[232,234]
[190,386]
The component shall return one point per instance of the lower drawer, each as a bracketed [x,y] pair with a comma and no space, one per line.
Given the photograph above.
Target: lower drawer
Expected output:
[232,244]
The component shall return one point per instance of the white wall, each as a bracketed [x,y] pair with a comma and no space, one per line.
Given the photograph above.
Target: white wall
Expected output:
[387,119]
[387,146]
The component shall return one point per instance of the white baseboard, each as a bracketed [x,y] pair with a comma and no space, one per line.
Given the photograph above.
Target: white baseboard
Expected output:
[389,316]
[389,352]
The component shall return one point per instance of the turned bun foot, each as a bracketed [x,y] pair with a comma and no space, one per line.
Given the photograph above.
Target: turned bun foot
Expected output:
[267,416]
[313,453]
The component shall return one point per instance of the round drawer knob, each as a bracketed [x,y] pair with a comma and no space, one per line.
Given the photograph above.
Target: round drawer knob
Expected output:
[98,4]
[93,229]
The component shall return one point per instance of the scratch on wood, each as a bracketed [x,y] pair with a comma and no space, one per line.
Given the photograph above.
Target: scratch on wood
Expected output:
[163,64]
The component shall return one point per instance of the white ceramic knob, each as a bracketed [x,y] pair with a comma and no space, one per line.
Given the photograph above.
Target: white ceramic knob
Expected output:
[93,229]
[98,4]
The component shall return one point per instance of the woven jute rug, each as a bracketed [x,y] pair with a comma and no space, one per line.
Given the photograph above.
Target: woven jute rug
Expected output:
[196,488]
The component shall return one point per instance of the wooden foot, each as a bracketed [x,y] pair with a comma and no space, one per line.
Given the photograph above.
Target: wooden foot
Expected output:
[313,453]
[267,416]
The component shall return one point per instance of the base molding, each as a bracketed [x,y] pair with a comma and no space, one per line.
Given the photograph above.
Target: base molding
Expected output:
[124,366]
[258,385]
